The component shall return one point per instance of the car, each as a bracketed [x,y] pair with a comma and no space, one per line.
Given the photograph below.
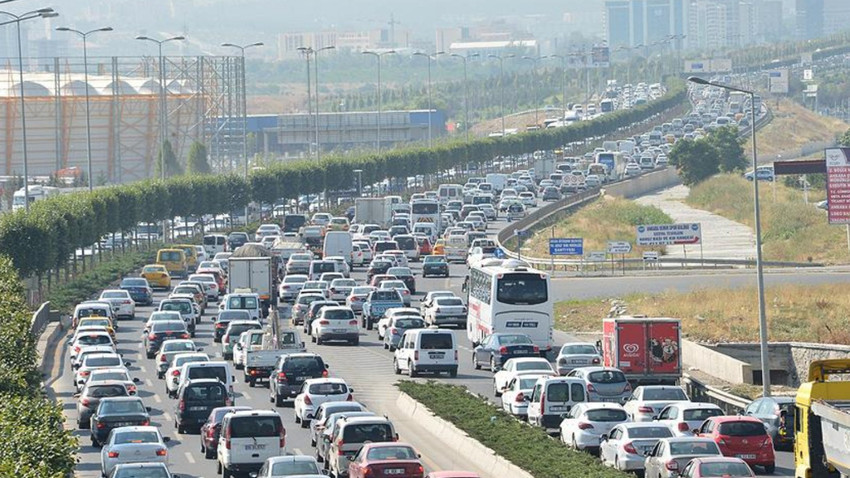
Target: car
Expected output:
[377,267]
[95,361]
[741,437]
[133,444]
[123,304]
[682,418]
[169,349]
[210,284]
[139,289]
[117,374]
[196,398]
[357,298]
[585,423]
[396,327]
[391,313]
[146,470]
[552,398]
[116,412]
[777,414]
[336,323]
[398,286]
[519,366]
[91,395]
[290,286]
[430,350]
[517,394]
[313,312]
[299,466]
[340,289]
[331,425]
[633,169]
[428,300]
[764,173]
[224,318]
[406,275]
[290,372]
[498,348]
[528,199]
[350,436]
[647,401]
[157,276]
[576,354]
[717,466]
[302,305]
[266,230]
[98,323]
[299,263]
[90,337]
[162,331]
[625,447]
[235,240]
[186,307]
[211,429]
[377,303]
[232,333]
[604,384]
[435,265]
[386,459]
[670,455]
[326,410]
[247,439]
[551,193]
[316,391]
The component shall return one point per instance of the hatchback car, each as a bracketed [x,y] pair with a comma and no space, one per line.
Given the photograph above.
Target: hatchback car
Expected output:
[435,265]
[386,459]
[777,414]
[717,466]
[626,446]
[576,354]
[157,276]
[211,429]
[741,437]
[670,455]
[586,423]
[133,444]
[604,384]
[498,348]
[139,289]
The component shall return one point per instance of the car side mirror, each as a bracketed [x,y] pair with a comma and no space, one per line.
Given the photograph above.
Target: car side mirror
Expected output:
[604,437]
[200,349]
[326,439]
[327,366]
[350,457]
[166,439]
[253,474]
[77,395]
[128,363]
[136,380]
[148,409]
[696,431]
[655,418]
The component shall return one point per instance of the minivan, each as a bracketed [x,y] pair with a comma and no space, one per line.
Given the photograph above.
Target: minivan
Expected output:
[552,398]
[428,350]
[174,261]
[196,399]
[215,243]
[218,370]
[338,243]
[247,439]
[317,268]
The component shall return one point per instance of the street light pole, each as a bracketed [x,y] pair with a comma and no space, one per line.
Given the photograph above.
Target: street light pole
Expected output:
[380,97]
[763,339]
[84,36]
[501,86]
[535,86]
[359,173]
[307,52]
[316,79]
[17,19]
[465,91]
[430,106]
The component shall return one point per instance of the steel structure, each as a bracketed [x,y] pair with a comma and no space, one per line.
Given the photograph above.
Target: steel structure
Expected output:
[204,104]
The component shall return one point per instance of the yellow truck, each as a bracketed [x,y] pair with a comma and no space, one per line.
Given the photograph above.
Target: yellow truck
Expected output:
[822,421]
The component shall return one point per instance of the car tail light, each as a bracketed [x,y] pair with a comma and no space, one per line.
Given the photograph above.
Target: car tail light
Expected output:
[683,427]
[585,426]
[184,336]
[281,377]
[220,325]
[228,401]
[596,360]
[367,471]
[77,348]
[113,454]
[627,388]
[350,398]
[721,441]
[503,350]
[324,373]
[226,339]
[286,287]
[84,373]
[175,372]
[768,442]
[352,322]
[307,400]
[182,405]
[282,432]
[85,402]
[145,423]
[227,438]
[671,465]
[101,425]
[152,336]
[630,448]
[543,401]
[162,358]
[520,397]
[161,452]
[645,410]
[127,302]
[455,355]
[536,349]
[416,355]
[393,331]
[590,388]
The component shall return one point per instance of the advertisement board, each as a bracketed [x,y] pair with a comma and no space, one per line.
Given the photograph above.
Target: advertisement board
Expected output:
[778,81]
[838,185]
[669,234]
[568,246]
[600,57]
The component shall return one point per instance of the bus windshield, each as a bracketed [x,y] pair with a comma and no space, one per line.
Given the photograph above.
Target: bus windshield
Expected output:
[425,208]
[522,289]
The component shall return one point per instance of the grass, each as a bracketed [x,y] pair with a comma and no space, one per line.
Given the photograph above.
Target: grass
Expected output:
[529,448]
[795,313]
[791,229]
[608,218]
[794,126]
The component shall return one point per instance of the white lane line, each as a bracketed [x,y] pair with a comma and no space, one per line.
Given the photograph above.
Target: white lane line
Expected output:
[149,382]
[246,395]
[166,416]
[464,348]
[297,451]
[139,345]
[157,399]
[143,369]
[189,457]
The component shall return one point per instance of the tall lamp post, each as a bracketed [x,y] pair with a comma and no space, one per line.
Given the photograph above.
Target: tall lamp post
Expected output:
[430,106]
[17,19]
[85,36]
[163,91]
[465,90]
[242,49]
[316,79]
[359,173]
[765,360]
[534,60]
[563,82]
[308,52]
[378,56]
[501,86]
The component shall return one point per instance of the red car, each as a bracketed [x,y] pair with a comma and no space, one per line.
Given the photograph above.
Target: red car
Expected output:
[716,467]
[386,460]
[211,429]
[741,437]
[424,246]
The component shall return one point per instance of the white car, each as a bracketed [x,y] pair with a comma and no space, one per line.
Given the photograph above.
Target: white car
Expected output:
[169,349]
[527,199]
[335,323]
[267,230]
[317,391]
[683,418]
[95,361]
[345,268]
[519,366]
[625,448]
[585,424]
[161,316]
[430,296]
[576,354]
[91,338]
[397,285]
[385,321]
[647,401]
[172,375]
[140,444]
[122,304]
[291,286]
[446,311]
[517,394]
[341,288]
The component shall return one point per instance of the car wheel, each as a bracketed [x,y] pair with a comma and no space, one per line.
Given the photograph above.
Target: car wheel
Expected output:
[225,473]
[209,454]
[453,373]
[395,367]
[356,341]
[369,325]
[475,362]
[386,346]
[297,418]
[318,341]
[411,371]
[305,423]
[493,364]
[252,383]
[313,339]
[160,375]
[150,355]
[496,391]
[769,469]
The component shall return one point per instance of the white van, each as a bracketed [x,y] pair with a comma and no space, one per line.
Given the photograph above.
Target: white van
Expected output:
[219,370]
[408,245]
[317,268]
[215,243]
[456,248]
[430,350]
[338,243]
[427,228]
[247,439]
[449,192]
[552,398]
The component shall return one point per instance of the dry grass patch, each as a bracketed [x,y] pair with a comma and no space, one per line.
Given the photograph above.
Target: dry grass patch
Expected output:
[794,126]
[794,312]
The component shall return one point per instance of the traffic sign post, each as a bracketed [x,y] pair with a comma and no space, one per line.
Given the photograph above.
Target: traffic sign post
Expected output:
[838,187]
[669,234]
[619,247]
[571,246]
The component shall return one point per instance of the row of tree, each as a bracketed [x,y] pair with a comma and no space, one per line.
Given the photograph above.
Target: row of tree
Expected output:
[44,238]
[719,151]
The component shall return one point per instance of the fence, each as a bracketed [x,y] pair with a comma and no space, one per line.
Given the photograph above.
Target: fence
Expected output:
[700,392]
[40,319]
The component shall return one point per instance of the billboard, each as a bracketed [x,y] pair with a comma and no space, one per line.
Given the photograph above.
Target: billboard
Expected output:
[569,246]
[713,65]
[600,57]
[778,81]
[669,234]
[838,185]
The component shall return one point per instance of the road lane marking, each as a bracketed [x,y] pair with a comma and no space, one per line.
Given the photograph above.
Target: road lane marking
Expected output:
[143,369]
[149,382]
[189,457]
[157,399]
[246,395]
[297,451]
[166,416]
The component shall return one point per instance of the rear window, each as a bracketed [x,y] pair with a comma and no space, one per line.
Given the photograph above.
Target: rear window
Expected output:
[168,326]
[372,432]
[230,315]
[108,407]
[742,429]
[305,365]
[107,391]
[413,323]
[578,349]
[385,295]
[128,437]
[607,415]
[386,246]
[94,340]
[338,315]
[205,393]
[451,301]
[392,453]
[724,469]
[170,256]
[236,330]
[701,414]
[242,303]
[295,468]
[650,432]
[435,341]
[558,392]
[251,427]
[664,394]
[607,376]
[319,267]
[694,448]
[102,362]
[178,306]
[522,366]
[406,243]
[328,388]
[218,373]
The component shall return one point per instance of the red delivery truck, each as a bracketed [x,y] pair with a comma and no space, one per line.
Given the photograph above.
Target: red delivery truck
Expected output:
[647,350]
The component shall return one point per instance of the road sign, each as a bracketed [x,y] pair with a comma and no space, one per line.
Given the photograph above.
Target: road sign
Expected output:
[838,185]
[669,234]
[569,246]
[596,256]
[499,253]
[650,256]
[619,247]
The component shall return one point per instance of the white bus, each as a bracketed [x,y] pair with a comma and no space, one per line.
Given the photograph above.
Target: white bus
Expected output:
[37,192]
[509,296]
[426,210]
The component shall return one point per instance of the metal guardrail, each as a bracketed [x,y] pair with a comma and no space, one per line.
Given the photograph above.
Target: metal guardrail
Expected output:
[40,319]
[698,391]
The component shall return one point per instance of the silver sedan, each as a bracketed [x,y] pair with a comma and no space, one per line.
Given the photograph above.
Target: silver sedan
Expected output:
[627,444]
[139,444]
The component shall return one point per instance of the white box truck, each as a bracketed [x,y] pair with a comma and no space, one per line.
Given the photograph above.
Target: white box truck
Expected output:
[373,211]
[254,274]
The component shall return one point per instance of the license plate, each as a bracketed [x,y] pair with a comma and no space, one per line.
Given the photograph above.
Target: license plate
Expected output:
[436,355]
[578,361]
[747,456]
[301,379]
[612,400]
[255,447]
[394,471]
[557,408]
[197,409]
[123,424]
[338,331]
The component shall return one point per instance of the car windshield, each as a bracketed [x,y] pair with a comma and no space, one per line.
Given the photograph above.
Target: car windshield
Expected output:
[242,303]
[533,365]
[527,383]
[393,284]
[178,346]
[722,469]
[331,388]
[255,427]
[304,365]
[195,358]
[607,415]
[367,432]
[230,315]
[205,393]
[429,259]
[650,432]
[290,468]
[109,375]
[127,437]
[361,290]
[392,453]
[441,341]
[385,295]
[102,361]
[578,349]
[134,283]
[295,279]
[694,448]
[169,326]
[742,429]
[94,340]
[607,376]
[522,289]
[123,407]
[399,271]
[151,269]
[114,295]
[102,391]
[701,414]
[664,394]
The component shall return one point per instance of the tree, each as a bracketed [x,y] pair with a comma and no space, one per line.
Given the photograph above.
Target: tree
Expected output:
[172,167]
[845,139]
[695,160]
[729,148]
[196,162]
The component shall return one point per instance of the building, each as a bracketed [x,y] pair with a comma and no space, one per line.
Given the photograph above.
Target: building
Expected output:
[818,18]
[707,26]
[484,48]
[769,21]
[289,43]
[446,36]
[644,22]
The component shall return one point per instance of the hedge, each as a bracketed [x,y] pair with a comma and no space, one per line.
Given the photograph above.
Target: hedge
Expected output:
[34,443]
[44,239]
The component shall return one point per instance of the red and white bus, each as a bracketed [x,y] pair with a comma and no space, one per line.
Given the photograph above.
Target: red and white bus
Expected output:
[509,296]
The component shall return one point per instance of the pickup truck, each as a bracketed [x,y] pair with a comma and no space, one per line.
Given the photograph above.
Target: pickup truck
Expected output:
[377,304]
[259,363]
[823,412]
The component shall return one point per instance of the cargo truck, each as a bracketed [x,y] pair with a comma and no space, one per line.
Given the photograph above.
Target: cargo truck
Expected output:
[254,273]
[260,360]
[374,211]
[647,350]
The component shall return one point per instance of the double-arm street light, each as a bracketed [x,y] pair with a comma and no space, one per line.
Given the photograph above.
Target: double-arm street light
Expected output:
[17,19]
[163,91]
[534,61]
[765,359]
[563,82]
[430,106]
[465,91]
[308,52]
[502,86]
[378,56]
[85,36]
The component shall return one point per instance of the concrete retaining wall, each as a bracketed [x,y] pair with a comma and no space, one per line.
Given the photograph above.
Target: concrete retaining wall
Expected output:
[803,353]
[457,441]
[715,363]
[644,184]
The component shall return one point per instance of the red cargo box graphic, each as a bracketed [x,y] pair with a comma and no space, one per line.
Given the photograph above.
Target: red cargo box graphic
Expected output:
[646,350]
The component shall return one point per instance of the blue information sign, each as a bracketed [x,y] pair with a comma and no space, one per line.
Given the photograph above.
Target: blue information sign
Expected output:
[569,246]
[499,253]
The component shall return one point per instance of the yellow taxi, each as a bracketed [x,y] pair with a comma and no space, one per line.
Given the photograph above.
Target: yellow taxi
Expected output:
[96,321]
[157,275]
[439,248]
[191,255]
[339,224]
